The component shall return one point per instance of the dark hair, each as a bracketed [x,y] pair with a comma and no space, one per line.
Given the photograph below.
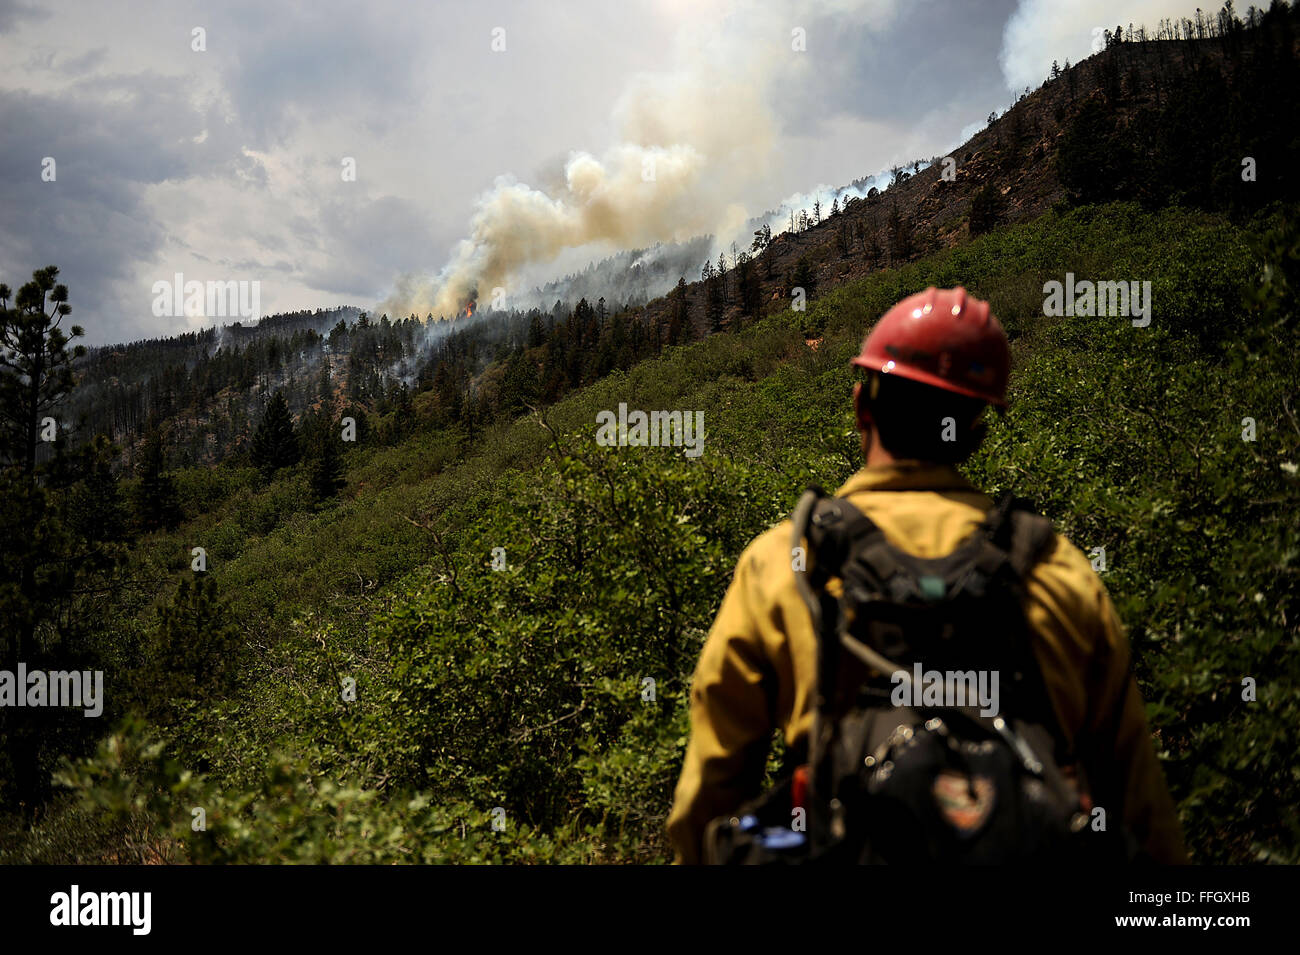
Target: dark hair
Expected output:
[920,422]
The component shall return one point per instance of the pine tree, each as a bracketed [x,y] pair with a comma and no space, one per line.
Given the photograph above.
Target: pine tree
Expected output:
[519,388]
[844,239]
[35,376]
[536,334]
[194,646]
[985,207]
[900,236]
[275,445]
[715,305]
[747,284]
[327,466]
[35,363]
[870,246]
[338,337]
[805,276]
[155,496]
[325,387]
[95,508]
[680,323]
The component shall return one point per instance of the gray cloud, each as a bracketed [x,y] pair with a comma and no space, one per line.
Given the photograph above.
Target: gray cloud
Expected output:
[225,164]
[933,55]
[12,12]
[109,139]
[288,65]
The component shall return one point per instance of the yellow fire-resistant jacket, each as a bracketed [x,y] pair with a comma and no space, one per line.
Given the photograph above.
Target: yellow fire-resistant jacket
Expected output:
[757,670]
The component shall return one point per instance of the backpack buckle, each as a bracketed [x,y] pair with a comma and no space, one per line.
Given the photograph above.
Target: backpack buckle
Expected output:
[932,588]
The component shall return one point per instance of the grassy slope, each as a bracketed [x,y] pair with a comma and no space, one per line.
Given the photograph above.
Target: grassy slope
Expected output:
[525,690]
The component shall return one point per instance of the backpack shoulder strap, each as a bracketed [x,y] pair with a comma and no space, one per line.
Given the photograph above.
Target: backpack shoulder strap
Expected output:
[1022,537]
[835,529]
[1032,538]
[1018,530]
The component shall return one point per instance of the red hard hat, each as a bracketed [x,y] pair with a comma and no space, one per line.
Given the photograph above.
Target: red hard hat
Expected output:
[944,338]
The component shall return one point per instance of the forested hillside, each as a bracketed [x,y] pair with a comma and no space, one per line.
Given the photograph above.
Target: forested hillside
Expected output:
[464,631]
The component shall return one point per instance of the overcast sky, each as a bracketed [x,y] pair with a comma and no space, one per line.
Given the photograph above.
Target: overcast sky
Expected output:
[227,163]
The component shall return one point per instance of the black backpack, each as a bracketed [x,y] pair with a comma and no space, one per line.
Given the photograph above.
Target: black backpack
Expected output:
[901,772]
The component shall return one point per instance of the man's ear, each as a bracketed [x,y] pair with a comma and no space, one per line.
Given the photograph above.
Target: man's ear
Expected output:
[861,413]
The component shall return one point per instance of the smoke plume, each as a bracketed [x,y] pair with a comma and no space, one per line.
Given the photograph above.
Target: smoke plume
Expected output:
[1041,31]
[692,142]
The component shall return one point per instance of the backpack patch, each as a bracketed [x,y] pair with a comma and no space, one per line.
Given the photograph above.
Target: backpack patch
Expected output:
[965,801]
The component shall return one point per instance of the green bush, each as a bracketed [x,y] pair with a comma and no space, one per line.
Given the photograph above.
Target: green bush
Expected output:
[524,689]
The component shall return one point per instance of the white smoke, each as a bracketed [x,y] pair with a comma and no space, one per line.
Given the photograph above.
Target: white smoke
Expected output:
[693,141]
[1041,31]
[826,195]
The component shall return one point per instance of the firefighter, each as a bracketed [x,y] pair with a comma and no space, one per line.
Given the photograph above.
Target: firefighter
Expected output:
[934,363]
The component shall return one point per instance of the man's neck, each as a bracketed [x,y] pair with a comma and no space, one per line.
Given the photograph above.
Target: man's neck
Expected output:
[877,456]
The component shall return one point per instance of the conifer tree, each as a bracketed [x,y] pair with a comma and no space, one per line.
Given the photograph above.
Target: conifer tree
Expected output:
[275,445]
[95,508]
[194,646]
[35,363]
[679,326]
[327,465]
[35,376]
[715,303]
[155,496]
[805,276]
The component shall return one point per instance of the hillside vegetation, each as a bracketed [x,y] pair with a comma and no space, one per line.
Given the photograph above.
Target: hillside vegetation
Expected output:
[524,689]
